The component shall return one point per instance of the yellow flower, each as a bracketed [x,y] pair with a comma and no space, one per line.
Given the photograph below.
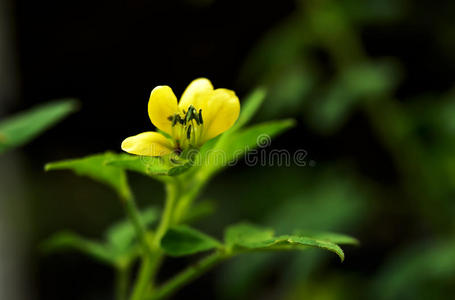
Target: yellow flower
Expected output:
[202,113]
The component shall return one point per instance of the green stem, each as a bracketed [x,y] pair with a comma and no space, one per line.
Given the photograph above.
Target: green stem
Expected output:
[187,199]
[133,215]
[166,218]
[151,263]
[121,283]
[188,275]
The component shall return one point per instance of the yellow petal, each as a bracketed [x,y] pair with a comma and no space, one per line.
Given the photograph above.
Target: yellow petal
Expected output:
[220,113]
[162,104]
[148,144]
[197,93]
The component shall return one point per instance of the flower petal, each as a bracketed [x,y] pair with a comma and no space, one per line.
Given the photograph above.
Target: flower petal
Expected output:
[162,104]
[197,93]
[148,144]
[220,113]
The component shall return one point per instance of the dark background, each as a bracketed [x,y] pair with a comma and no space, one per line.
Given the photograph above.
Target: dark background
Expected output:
[110,55]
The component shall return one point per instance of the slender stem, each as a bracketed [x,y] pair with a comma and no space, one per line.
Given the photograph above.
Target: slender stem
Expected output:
[143,279]
[121,282]
[133,215]
[166,218]
[188,275]
[186,200]
[151,263]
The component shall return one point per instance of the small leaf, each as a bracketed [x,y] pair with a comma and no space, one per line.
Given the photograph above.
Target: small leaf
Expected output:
[248,237]
[21,128]
[183,240]
[121,235]
[66,241]
[95,167]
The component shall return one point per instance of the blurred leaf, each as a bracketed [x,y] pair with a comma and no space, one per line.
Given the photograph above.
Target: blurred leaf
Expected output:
[356,84]
[95,167]
[65,241]
[233,146]
[184,240]
[249,108]
[405,274]
[370,79]
[121,235]
[288,92]
[21,128]
[252,237]
[198,211]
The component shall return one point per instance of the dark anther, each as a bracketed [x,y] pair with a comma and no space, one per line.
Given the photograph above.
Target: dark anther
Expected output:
[200,116]
[174,120]
[189,114]
[188,133]
[170,118]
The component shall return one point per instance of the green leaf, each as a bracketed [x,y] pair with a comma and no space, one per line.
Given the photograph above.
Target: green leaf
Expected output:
[21,128]
[152,166]
[121,235]
[184,240]
[332,237]
[141,164]
[246,237]
[236,144]
[95,167]
[198,211]
[249,108]
[67,241]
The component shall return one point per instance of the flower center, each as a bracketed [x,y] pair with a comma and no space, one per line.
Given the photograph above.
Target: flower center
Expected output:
[186,128]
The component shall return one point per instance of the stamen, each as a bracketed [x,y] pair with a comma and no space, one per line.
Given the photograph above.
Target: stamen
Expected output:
[200,116]
[175,119]
[188,133]
[190,113]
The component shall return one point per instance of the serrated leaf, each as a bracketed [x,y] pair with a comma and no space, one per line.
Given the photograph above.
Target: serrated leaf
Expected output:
[121,235]
[245,236]
[184,240]
[95,167]
[21,128]
[67,241]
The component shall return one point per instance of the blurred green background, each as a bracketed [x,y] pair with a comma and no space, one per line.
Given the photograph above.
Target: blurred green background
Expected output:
[370,83]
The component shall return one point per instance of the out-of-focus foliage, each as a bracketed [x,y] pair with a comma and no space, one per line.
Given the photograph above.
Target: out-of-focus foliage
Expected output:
[119,248]
[317,69]
[23,127]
